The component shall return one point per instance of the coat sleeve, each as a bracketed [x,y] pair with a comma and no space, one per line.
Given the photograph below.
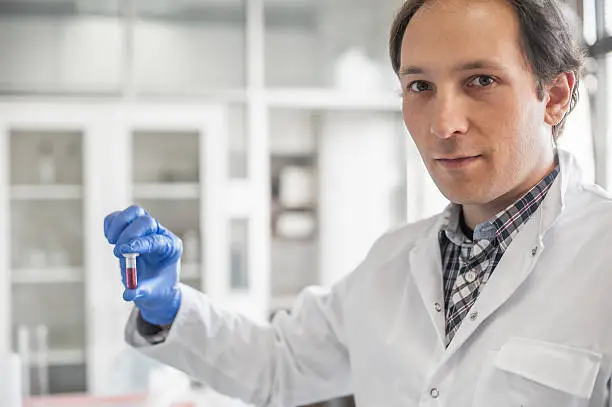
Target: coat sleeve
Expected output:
[299,358]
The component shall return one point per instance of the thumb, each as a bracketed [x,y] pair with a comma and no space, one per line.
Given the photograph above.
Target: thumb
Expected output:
[135,294]
[150,244]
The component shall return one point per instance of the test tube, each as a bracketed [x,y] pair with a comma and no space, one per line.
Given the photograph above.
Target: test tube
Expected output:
[131,278]
[23,345]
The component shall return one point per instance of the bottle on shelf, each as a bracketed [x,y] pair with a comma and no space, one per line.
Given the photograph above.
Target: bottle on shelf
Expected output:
[42,359]
[23,348]
[10,385]
[56,254]
[296,186]
[46,163]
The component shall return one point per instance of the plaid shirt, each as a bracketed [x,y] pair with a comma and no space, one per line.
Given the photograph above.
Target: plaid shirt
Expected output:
[468,264]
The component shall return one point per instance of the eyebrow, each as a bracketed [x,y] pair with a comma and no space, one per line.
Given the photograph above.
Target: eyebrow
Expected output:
[469,66]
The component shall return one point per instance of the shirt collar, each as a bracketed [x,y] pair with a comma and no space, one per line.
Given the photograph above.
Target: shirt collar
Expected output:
[502,227]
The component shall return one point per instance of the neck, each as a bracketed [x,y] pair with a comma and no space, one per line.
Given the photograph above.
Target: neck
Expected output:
[474,214]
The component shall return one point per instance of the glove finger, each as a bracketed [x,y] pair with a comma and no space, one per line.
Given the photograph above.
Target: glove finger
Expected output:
[177,243]
[144,290]
[121,220]
[139,227]
[160,245]
[136,294]
[108,220]
[129,295]
[161,229]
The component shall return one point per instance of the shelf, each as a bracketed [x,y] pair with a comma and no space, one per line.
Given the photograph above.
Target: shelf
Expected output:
[61,357]
[167,191]
[330,99]
[302,157]
[47,275]
[308,207]
[46,192]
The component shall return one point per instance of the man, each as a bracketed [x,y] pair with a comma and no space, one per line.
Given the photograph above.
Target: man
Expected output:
[500,301]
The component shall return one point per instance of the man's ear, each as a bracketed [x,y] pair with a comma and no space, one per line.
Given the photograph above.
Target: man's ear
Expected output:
[559,97]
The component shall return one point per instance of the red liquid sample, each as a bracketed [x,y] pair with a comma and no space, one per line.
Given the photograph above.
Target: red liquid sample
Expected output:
[130,277]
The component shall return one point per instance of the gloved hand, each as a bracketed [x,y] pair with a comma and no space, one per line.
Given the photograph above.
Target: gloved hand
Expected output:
[157,295]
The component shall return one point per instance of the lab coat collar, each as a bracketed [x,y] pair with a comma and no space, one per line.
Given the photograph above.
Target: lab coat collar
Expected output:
[568,181]
[515,266]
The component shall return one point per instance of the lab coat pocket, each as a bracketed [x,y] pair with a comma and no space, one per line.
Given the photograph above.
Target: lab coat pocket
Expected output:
[529,373]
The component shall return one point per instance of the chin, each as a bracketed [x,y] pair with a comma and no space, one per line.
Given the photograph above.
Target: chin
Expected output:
[465,196]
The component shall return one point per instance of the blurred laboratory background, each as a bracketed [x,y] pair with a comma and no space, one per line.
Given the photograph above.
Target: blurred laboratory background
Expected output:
[268,134]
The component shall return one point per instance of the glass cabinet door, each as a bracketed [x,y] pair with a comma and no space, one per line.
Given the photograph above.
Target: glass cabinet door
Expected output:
[178,167]
[338,181]
[59,283]
[166,183]
[179,158]
[294,245]
[44,267]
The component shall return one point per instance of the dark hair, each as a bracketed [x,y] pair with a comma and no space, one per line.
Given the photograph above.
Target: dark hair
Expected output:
[546,40]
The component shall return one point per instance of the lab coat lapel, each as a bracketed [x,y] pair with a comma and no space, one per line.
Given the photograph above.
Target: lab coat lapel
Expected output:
[520,258]
[426,267]
[515,266]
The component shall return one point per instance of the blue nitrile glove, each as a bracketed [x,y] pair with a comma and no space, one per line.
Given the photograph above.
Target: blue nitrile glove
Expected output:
[157,294]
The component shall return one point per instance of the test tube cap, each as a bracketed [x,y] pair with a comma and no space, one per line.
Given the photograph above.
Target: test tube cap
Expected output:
[130,255]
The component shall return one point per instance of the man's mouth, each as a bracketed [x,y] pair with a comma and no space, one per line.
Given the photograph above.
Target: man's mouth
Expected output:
[457,161]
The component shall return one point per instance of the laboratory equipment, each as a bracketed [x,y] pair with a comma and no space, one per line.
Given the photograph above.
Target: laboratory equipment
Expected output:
[23,348]
[42,358]
[297,186]
[131,278]
[10,385]
[46,164]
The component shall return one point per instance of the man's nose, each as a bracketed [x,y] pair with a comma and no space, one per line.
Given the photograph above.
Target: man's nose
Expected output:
[449,116]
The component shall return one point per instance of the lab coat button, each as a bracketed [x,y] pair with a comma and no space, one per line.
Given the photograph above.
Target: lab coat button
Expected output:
[534,251]
[438,307]
[474,315]
[434,393]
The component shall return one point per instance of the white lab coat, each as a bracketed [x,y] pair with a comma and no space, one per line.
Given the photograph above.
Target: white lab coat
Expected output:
[540,333]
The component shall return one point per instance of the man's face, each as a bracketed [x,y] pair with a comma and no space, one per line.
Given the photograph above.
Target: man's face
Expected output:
[470,101]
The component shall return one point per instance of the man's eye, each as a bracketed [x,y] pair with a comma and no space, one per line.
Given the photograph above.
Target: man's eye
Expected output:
[419,86]
[482,81]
